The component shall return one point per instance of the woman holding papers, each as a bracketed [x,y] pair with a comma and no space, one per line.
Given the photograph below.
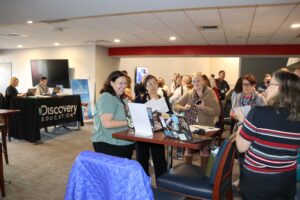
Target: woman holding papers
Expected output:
[142,148]
[110,117]
[243,102]
[200,106]
[270,137]
[248,97]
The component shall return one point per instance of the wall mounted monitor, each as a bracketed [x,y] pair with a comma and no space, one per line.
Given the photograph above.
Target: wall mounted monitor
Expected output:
[139,73]
[56,71]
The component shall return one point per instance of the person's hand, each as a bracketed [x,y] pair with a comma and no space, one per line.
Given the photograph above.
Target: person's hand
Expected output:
[200,106]
[21,94]
[232,114]
[129,123]
[187,107]
[239,115]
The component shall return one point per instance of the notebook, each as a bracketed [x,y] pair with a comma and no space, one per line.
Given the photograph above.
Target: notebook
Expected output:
[31,91]
[176,127]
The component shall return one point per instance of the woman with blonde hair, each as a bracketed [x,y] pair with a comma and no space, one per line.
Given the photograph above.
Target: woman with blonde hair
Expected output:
[11,91]
[200,106]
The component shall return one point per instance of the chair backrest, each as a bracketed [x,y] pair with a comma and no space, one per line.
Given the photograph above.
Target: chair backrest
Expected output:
[100,176]
[223,177]
[2,101]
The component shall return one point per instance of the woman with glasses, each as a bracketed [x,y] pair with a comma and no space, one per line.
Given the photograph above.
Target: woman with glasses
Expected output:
[270,137]
[246,99]
[143,148]
[248,96]
[110,117]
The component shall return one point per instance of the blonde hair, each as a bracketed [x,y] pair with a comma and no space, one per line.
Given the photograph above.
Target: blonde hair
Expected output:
[12,80]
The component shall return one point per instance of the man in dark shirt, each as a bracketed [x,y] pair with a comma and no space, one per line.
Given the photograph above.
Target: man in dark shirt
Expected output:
[222,85]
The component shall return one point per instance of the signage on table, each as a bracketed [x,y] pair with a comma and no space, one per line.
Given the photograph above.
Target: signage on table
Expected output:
[53,113]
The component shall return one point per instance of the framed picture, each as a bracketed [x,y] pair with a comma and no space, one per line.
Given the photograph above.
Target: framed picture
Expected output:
[140,72]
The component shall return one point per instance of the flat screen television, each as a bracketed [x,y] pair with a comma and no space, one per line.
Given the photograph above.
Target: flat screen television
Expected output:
[139,73]
[56,71]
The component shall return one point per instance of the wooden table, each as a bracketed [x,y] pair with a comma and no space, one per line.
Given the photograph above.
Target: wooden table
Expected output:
[160,138]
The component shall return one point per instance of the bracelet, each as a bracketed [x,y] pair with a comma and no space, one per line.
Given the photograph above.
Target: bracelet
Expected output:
[239,124]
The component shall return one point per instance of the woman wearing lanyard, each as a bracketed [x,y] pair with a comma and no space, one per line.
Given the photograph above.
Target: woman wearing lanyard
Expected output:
[142,148]
[200,106]
[110,117]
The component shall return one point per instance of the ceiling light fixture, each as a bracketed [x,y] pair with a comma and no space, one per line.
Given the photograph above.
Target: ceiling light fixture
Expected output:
[172,38]
[56,44]
[29,22]
[117,40]
[295,26]
[20,46]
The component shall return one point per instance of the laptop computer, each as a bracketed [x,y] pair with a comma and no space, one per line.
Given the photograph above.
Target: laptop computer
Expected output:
[31,92]
[176,127]
[55,91]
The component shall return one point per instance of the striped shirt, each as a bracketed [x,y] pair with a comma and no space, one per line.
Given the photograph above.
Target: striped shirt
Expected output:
[274,141]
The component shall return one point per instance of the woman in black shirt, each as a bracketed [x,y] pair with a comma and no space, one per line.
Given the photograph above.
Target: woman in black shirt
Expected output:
[142,148]
[11,91]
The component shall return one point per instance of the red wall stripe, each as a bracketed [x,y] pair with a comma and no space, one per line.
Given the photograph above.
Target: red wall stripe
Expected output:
[227,50]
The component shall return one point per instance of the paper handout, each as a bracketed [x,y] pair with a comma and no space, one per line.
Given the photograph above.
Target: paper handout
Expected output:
[140,119]
[159,105]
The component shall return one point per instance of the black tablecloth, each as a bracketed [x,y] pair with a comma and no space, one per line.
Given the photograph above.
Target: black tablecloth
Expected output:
[37,113]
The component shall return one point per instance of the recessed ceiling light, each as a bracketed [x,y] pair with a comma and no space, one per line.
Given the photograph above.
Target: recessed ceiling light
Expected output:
[20,46]
[295,26]
[117,40]
[29,22]
[56,44]
[172,38]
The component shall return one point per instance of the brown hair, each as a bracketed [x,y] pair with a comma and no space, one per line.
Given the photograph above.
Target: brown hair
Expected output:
[112,77]
[251,78]
[288,94]
[148,78]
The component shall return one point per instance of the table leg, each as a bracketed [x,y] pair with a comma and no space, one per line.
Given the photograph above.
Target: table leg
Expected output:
[169,157]
[7,125]
[204,155]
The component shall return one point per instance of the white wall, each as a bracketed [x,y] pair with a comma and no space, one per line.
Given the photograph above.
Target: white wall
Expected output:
[104,66]
[81,59]
[231,66]
[166,66]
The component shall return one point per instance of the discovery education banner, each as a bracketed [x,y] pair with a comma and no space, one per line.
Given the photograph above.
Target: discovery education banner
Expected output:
[81,87]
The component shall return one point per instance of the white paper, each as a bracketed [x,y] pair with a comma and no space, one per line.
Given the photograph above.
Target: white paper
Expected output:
[140,119]
[244,110]
[205,128]
[159,105]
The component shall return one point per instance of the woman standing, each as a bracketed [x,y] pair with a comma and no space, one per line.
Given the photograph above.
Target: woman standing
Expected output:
[142,148]
[200,106]
[11,91]
[249,96]
[110,117]
[270,138]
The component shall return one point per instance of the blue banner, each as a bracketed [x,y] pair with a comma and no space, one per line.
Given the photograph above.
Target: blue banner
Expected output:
[81,87]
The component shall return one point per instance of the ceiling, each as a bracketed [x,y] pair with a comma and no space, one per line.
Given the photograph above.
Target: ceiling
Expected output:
[147,23]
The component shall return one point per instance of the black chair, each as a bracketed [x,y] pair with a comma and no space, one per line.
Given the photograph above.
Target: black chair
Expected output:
[189,180]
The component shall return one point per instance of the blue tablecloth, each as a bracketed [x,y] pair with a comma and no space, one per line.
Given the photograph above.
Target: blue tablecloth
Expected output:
[100,176]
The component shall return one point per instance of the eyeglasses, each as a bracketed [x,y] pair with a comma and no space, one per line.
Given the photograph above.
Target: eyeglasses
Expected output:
[273,83]
[247,84]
